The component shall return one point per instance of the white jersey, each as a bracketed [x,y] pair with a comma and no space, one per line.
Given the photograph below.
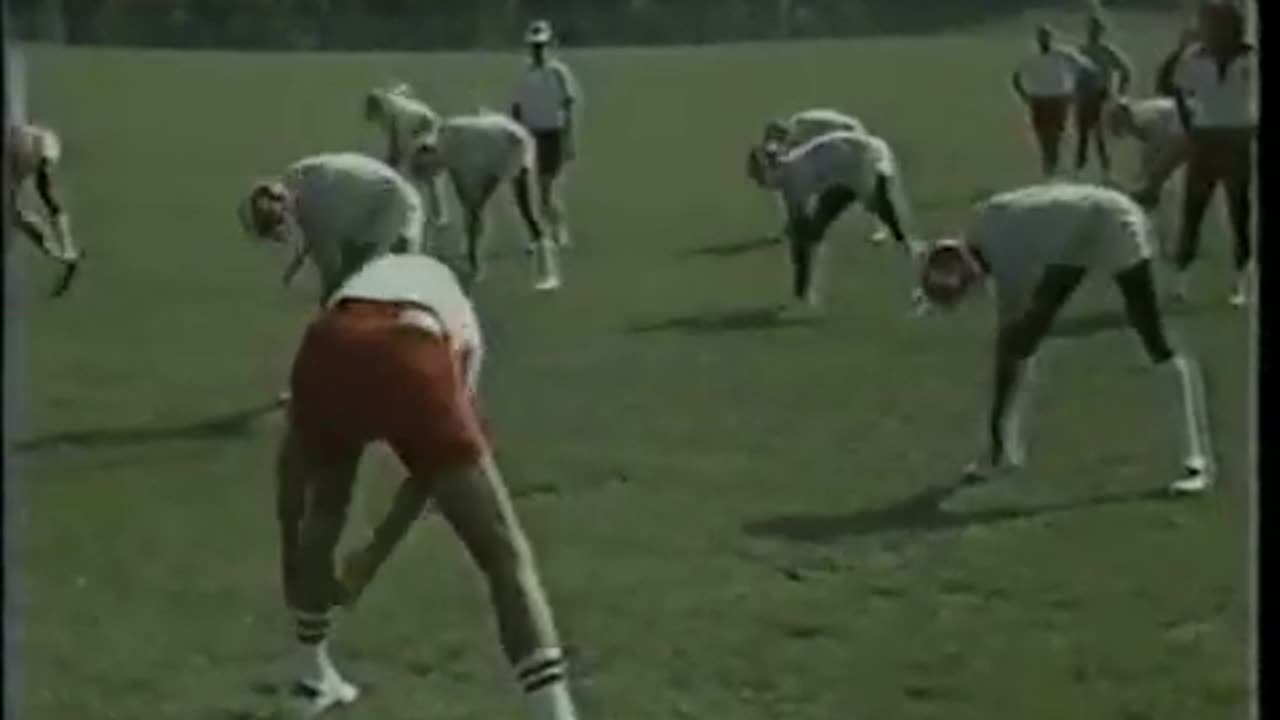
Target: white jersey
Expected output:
[1219,97]
[841,159]
[350,208]
[809,124]
[429,283]
[484,148]
[544,94]
[403,119]
[1051,74]
[1021,232]
[29,147]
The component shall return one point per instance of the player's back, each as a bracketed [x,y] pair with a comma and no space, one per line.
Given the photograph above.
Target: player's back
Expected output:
[809,124]
[1157,118]
[1022,231]
[484,141]
[419,280]
[837,158]
[407,114]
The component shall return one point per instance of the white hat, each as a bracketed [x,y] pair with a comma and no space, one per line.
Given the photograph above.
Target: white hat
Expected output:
[539,33]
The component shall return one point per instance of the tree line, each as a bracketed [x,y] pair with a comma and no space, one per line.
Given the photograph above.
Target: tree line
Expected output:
[468,24]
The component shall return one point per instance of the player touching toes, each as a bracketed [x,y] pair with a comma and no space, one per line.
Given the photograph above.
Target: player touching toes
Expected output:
[34,153]
[818,181]
[339,210]
[479,153]
[1036,245]
[402,117]
[1163,148]
[800,128]
[395,358]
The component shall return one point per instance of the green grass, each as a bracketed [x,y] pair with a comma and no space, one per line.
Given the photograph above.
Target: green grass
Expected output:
[734,520]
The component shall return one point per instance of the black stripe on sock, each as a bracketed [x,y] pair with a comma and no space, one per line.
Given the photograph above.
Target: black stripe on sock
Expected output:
[311,638]
[542,667]
[534,685]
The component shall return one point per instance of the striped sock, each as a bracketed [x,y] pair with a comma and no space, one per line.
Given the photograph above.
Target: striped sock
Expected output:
[312,628]
[544,676]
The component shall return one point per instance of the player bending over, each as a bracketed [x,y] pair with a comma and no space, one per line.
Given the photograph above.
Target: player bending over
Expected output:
[33,153]
[340,210]
[395,358]
[1036,245]
[401,117]
[828,174]
[806,125]
[479,153]
[1155,126]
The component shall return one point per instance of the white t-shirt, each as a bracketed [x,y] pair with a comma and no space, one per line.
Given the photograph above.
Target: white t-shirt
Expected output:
[405,118]
[851,160]
[1051,74]
[1023,231]
[349,208]
[427,282]
[482,148]
[29,146]
[544,94]
[1219,97]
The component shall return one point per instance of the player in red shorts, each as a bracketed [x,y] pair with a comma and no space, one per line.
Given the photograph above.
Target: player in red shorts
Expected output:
[395,357]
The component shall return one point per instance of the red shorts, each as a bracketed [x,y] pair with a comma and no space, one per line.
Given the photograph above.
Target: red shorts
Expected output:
[362,375]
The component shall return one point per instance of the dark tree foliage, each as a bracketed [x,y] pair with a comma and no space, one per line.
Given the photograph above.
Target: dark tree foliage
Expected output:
[460,24]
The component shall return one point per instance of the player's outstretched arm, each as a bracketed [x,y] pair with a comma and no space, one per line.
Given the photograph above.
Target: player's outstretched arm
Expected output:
[360,566]
[295,265]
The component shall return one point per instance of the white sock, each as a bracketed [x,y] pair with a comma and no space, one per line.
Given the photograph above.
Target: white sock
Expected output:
[1191,413]
[544,678]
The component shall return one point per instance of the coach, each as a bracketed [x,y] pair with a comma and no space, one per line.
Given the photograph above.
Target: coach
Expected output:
[1217,103]
[545,103]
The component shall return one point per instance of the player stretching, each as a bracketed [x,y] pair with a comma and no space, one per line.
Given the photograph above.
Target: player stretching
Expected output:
[806,125]
[547,102]
[33,153]
[401,117]
[1153,123]
[340,210]
[478,153]
[395,358]
[1036,245]
[828,174]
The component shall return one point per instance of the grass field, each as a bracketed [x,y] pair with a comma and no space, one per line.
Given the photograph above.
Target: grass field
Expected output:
[736,520]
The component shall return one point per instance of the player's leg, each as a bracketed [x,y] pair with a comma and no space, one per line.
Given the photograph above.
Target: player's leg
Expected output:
[1138,289]
[475,502]
[1238,184]
[313,495]
[1016,345]
[885,206]
[807,234]
[1201,180]
[432,425]
[550,162]
[1085,125]
[524,186]
[540,243]
[67,251]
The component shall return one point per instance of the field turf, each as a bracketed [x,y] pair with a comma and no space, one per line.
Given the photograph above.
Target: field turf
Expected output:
[736,519]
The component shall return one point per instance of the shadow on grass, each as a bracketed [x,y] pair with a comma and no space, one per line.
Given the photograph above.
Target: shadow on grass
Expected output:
[923,513]
[226,425]
[722,321]
[1098,323]
[732,249]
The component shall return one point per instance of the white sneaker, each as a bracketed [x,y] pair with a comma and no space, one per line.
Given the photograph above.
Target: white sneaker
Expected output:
[880,236]
[1240,293]
[547,284]
[1197,477]
[307,699]
[562,238]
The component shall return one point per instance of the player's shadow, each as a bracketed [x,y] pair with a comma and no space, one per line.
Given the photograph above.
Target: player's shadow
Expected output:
[1098,323]
[722,321]
[923,512]
[224,426]
[735,248]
